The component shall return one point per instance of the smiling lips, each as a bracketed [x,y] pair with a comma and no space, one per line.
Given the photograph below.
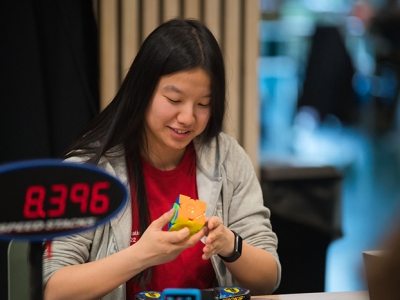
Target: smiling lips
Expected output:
[180,131]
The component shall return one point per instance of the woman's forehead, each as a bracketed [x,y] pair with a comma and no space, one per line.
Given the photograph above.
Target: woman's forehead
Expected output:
[183,81]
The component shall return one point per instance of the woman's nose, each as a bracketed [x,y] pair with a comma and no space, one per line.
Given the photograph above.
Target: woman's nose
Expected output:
[186,115]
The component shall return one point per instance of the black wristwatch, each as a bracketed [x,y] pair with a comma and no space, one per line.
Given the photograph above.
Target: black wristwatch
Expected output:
[237,250]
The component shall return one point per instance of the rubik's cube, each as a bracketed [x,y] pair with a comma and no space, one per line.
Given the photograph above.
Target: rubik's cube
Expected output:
[189,213]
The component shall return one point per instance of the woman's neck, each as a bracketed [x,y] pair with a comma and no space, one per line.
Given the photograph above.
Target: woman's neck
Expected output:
[164,160]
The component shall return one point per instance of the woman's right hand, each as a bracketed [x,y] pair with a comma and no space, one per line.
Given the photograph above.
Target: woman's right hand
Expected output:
[159,246]
[95,279]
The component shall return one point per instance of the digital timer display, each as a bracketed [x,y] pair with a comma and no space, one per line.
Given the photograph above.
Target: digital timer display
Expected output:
[46,198]
[92,199]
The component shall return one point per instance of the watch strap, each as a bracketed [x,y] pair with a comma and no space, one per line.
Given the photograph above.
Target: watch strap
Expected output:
[237,250]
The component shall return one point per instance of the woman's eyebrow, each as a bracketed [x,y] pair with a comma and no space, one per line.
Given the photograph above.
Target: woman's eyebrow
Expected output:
[173,88]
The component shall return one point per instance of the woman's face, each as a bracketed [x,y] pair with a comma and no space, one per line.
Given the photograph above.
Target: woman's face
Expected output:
[178,112]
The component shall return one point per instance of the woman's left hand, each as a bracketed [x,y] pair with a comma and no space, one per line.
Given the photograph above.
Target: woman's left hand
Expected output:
[219,239]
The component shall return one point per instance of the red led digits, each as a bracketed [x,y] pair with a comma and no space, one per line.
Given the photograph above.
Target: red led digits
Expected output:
[80,194]
[93,198]
[59,201]
[99,202]
[34,199]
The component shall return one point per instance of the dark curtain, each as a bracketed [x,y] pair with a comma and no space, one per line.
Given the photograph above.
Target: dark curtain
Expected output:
[48,81]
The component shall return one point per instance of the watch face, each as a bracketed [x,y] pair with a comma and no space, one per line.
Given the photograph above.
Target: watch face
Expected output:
[43,199]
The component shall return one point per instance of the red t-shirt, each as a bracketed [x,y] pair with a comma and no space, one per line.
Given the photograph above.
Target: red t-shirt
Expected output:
[163,188]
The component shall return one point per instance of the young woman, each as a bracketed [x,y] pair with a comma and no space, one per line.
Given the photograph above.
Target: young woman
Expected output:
[162,136]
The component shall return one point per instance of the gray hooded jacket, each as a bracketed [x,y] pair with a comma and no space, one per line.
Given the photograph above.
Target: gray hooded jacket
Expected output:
[225,180]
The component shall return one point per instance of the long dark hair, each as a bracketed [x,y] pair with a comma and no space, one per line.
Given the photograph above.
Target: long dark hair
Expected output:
[177,45]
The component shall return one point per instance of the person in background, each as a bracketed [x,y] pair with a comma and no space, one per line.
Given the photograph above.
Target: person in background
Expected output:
[162,136]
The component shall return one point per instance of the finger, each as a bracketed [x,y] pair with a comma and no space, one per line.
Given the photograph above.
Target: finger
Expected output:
[183,239]
[207,252]
[205,256]
[213,222]
[206,230]
[197,236]
[164,219]
[179,236]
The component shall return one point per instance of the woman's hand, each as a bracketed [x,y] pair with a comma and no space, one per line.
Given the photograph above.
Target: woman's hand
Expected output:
[160,246]
[95,279]
[220,240]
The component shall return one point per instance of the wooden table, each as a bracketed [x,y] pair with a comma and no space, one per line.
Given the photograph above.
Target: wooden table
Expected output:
[359,295]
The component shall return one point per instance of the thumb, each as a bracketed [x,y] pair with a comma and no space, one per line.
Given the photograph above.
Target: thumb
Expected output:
[164,219]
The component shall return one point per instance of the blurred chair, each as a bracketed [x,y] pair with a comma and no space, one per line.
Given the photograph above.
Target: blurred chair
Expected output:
[305,204]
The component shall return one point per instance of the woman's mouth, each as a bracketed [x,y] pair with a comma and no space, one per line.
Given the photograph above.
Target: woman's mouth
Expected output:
[180,131]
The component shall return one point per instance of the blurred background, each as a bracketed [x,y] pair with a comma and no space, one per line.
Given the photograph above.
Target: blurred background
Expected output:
[327,123]
[329,89]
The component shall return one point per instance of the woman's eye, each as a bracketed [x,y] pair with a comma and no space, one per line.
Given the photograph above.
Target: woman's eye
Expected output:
[173,101]
[204,104]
